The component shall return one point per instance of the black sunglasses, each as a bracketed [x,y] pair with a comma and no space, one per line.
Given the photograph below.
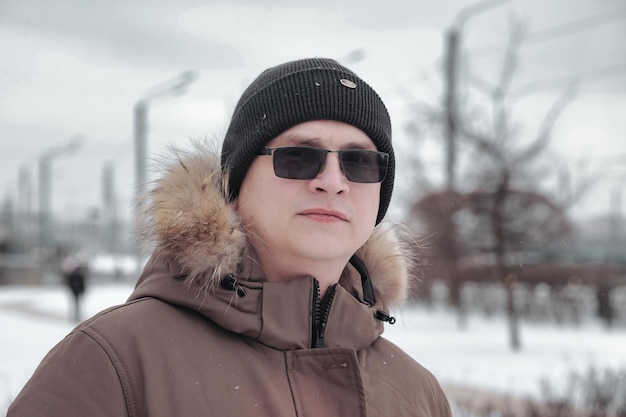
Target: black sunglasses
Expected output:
[305,163]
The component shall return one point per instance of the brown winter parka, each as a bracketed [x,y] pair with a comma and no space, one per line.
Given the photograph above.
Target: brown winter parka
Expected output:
[204,334]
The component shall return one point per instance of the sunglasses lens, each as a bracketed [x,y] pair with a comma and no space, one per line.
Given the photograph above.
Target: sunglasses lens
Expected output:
[298,163]
[364,166]
[304,163]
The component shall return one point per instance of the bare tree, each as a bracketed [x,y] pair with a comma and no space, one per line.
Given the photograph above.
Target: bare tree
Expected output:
[502,186]
[508,166]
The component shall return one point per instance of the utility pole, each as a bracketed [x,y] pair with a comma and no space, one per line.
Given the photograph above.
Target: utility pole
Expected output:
[452,43]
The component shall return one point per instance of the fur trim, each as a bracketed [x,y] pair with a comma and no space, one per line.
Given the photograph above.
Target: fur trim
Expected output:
[186,217]
[388,257]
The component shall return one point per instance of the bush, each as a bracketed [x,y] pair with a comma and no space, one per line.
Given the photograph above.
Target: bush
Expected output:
[592,393]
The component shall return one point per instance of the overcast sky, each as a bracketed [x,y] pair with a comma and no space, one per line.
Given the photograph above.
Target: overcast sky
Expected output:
[77,67]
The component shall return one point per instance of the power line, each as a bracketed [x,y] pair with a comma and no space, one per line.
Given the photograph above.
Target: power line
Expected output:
[474,9]
[586,76]
[556,32]
[577,26]
[560,31]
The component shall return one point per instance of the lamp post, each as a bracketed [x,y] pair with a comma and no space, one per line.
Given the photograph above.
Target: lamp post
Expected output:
[45,186]
[175,86]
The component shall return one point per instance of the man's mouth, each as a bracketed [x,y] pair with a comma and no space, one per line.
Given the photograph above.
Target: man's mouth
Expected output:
[324,215]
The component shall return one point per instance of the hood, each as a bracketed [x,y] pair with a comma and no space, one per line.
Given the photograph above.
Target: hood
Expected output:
[186,220]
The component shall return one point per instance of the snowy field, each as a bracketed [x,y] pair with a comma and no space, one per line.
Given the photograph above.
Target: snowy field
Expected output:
[33,319]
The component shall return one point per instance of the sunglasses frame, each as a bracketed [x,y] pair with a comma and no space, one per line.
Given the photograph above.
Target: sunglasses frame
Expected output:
[323,153]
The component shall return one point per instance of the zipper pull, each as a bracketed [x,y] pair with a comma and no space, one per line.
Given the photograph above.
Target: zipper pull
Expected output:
[229,282]
[319,340]
[383,316]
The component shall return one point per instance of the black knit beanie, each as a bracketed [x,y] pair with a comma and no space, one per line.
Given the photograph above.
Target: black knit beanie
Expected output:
[296,92]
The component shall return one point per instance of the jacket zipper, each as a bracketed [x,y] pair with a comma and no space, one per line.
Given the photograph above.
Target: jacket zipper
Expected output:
[320,313]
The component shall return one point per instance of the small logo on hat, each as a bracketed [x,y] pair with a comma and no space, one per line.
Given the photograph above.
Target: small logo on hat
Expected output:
[347,83]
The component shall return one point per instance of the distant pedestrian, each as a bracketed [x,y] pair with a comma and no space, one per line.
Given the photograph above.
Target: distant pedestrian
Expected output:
[75,275]
[272,277]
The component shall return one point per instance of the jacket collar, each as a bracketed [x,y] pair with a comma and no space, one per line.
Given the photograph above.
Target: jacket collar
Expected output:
[277,314]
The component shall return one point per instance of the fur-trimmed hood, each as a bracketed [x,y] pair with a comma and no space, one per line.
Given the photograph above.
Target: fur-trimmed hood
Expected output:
[186,217]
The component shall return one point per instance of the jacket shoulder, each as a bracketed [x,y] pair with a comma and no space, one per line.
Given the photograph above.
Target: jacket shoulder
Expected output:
[89,372]
[76,378]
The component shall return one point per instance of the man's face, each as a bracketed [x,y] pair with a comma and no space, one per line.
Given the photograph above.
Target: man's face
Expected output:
[320,219]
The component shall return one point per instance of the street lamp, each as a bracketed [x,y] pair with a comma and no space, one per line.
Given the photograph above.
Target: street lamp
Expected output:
[45,186]
[175,87]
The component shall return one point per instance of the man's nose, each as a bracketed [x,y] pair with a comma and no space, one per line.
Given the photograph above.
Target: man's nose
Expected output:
[331,178]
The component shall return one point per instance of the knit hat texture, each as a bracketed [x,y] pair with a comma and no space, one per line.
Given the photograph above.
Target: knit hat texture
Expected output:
[296,92]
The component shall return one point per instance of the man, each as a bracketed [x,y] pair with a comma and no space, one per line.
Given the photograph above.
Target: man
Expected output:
[271,276]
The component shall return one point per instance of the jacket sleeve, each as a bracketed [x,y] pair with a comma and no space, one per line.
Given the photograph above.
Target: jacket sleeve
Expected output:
[76,378]
[441,406]
[444,406]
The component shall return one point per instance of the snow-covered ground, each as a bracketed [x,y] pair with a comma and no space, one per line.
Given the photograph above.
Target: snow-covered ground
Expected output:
[33,319]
